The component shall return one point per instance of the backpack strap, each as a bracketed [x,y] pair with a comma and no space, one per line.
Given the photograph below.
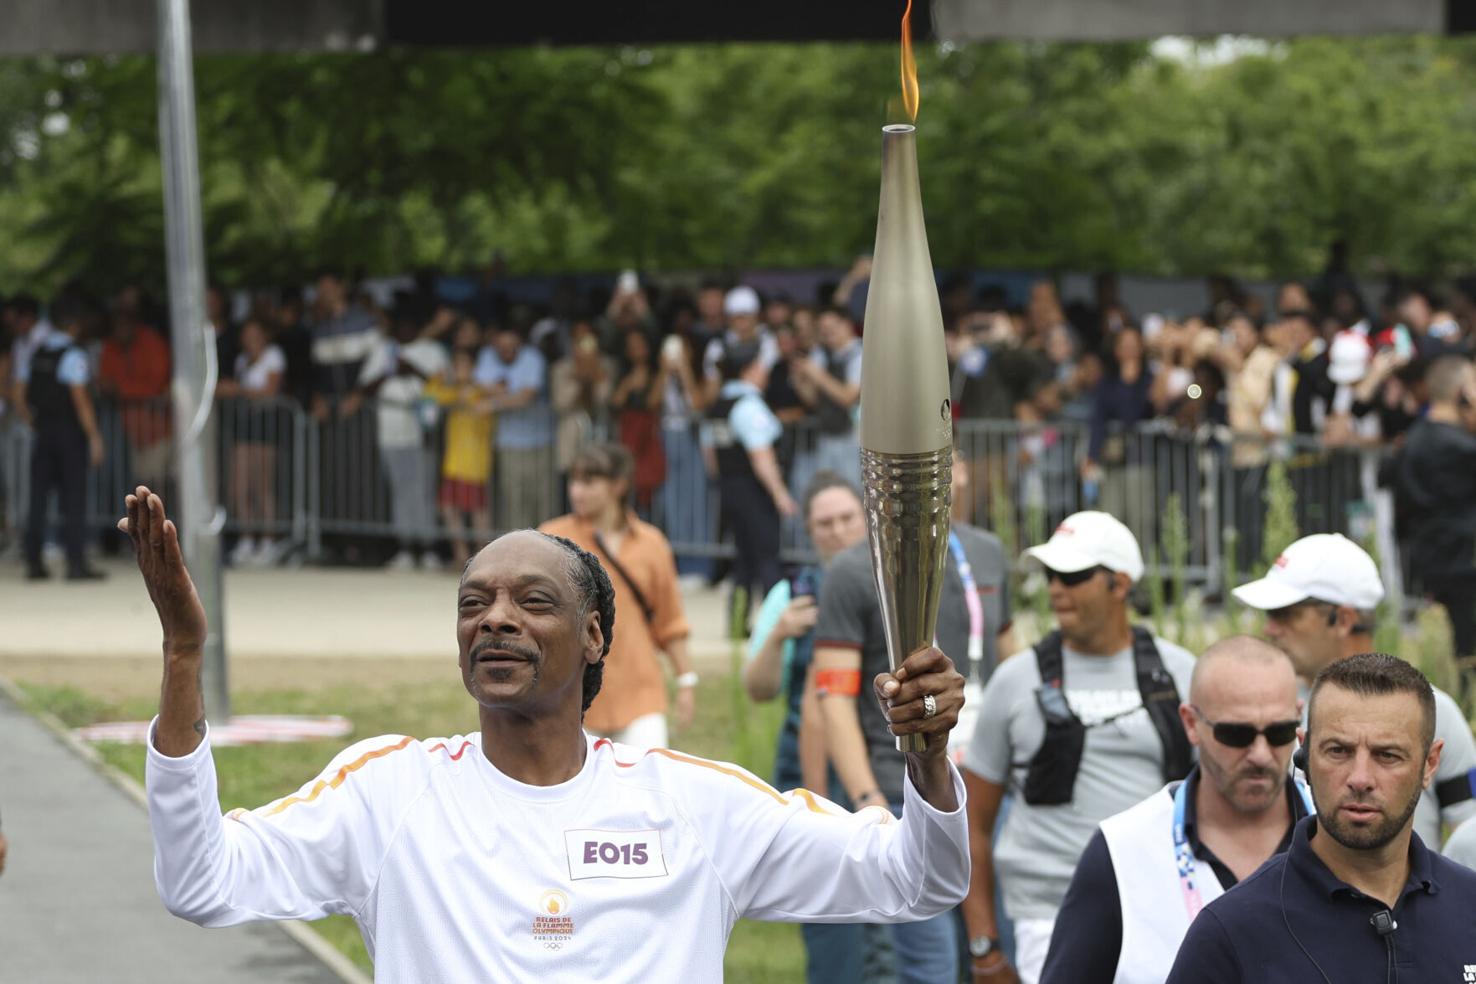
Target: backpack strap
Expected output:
[1048,659]
[1161,700]
[624,575]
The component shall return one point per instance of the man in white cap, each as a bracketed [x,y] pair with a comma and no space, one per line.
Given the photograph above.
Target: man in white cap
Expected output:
[741,309]
[1079,728]
[1320,598]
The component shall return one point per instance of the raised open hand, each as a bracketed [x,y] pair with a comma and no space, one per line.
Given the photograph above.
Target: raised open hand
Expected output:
[156,544]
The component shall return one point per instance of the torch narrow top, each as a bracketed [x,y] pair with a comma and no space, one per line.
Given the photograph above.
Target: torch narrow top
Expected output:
[905,405]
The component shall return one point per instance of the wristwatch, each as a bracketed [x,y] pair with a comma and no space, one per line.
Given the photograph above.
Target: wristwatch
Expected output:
[982,946]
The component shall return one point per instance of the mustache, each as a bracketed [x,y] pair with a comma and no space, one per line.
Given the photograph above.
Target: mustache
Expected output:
[1258,773]
[486,650]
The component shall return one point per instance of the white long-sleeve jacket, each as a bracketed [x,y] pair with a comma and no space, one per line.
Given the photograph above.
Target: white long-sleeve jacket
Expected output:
[636,869]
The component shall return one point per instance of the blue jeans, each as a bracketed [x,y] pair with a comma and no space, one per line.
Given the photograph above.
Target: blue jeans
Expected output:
[926,951]
[834,953]
[684,498]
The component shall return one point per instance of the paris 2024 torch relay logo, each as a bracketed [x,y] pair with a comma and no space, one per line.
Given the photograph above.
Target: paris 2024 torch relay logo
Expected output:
[552,925]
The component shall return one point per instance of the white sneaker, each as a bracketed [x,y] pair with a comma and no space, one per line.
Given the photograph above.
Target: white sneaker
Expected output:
[402,561]
[267,553]
[431,561]
[244,552]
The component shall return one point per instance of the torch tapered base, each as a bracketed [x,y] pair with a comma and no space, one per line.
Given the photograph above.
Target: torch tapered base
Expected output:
[908,498]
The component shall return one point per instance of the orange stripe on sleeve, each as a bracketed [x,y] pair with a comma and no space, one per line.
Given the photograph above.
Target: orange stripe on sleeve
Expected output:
[338,779]
[803,794]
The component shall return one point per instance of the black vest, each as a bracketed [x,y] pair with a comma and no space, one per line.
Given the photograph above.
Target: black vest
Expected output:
[732,457]
[49,398]
[831,417]
[1051,778]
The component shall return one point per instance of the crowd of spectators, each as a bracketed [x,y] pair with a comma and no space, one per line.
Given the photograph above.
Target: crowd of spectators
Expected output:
[465,414]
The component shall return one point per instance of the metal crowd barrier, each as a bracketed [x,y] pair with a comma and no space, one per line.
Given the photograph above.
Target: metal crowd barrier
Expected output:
[332,488]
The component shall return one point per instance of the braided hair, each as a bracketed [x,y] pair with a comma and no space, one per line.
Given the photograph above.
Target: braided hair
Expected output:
[596,593]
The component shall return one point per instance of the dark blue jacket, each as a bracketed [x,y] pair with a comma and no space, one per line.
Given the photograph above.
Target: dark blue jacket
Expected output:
[1086,942]
[1295,922]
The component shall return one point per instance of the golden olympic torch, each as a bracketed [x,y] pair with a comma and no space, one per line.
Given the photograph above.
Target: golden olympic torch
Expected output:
[906,419]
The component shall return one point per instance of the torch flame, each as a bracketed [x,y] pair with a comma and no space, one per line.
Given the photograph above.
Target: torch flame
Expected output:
[909,66]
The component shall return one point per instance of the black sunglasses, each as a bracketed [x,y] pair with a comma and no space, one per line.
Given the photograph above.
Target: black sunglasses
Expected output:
[1238,734]
[1290,611]
[1072,578]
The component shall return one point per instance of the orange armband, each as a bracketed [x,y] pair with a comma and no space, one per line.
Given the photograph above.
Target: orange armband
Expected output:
[841,683]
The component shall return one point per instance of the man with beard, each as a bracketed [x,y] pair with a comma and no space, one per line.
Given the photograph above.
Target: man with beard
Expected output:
[1077,728]
[1357,896]
[1148,871]
[531,850]
[1321,598]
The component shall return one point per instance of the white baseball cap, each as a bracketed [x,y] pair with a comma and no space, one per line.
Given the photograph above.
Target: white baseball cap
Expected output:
[1348,357]
[1090,539]
[741,300]
[1323,567]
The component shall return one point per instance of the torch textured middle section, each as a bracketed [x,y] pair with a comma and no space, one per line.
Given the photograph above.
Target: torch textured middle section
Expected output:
[907,499]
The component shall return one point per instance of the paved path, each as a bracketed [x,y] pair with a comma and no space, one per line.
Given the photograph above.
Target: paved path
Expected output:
[77,899]
[285,629]
[271,613]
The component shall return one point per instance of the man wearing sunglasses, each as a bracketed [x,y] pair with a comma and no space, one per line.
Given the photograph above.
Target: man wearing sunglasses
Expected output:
[1077,729]
[1149,870]
[1356,897]
[1320,598]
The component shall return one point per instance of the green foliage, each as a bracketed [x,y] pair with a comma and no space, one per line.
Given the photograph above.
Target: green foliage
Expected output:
[1280,526]
[1153,584]
[1176,552]
[1234,610]
[1066,156]
[1387,616]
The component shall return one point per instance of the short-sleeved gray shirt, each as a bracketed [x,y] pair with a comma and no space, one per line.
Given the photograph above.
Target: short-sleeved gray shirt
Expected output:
[850,617]
[1121,764]
[1461,848]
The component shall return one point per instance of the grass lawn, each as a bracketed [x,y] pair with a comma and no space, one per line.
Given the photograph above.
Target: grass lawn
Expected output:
[728,728]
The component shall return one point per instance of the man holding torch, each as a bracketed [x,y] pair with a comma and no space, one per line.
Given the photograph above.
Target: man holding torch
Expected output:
[531,850]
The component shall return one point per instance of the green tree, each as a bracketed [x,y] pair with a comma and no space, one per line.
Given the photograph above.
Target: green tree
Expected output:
[1033,156]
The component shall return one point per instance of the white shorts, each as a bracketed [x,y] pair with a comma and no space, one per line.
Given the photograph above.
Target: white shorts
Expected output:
[1032,941]
[647,731]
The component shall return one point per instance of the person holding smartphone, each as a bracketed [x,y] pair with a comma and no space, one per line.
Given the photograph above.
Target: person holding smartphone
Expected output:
[780,653]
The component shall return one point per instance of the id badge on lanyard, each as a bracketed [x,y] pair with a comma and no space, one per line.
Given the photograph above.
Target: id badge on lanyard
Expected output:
[974,683]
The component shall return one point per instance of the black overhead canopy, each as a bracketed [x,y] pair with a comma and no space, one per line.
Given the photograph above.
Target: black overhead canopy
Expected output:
[124,26]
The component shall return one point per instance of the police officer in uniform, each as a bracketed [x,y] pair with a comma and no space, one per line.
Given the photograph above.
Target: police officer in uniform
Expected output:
[67,439]
[739,435]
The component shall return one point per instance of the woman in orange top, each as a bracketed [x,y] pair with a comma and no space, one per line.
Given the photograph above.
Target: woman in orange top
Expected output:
[631,706]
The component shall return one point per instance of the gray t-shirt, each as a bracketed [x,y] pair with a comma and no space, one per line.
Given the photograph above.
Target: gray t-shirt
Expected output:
[850,617]
[1461,848]
[1121,764]
[1457,759]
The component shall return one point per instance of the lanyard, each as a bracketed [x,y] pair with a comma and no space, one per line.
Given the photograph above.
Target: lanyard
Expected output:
[1184,854]
[971,599]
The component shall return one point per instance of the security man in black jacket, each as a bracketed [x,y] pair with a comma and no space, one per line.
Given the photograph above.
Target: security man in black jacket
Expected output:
[67,439]
[1357,897]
